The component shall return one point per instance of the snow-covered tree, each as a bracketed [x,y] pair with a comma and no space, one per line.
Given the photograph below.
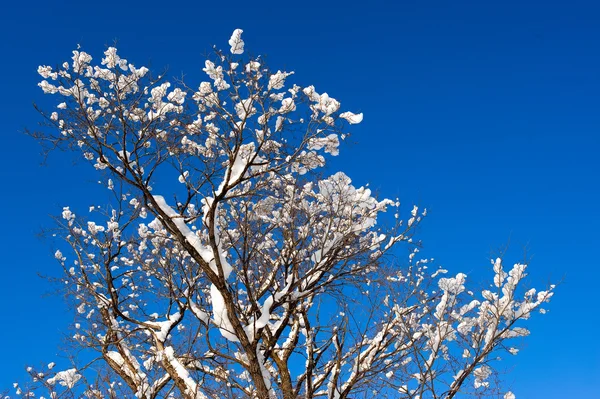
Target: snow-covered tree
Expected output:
[230,265]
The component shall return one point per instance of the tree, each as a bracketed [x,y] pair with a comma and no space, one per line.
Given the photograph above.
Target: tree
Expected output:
[255,276]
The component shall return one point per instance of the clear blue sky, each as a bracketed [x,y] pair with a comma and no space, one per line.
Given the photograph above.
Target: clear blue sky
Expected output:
[485,112]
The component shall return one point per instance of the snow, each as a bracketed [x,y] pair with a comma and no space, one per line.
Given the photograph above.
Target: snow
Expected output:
[453,285]
[262,321]
[236,42]
[183,177]
[327,105]
[287,105]
[244,109]
[481,374]
[241,161]
[199,313]
[265,373]
[330,142]
[352,118]
[265,311]
[111,58]
[182,373]
[116,357]
[277,80]
[67,378]
[183,228]
[164,326]
[220,315]
[439,271]
[135,374]
[46,72]
[81,60]
[252,66]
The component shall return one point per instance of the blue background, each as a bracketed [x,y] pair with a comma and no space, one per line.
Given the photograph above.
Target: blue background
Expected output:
[485,112]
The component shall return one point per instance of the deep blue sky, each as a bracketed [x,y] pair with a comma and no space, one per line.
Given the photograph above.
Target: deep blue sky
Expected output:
[485,112]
